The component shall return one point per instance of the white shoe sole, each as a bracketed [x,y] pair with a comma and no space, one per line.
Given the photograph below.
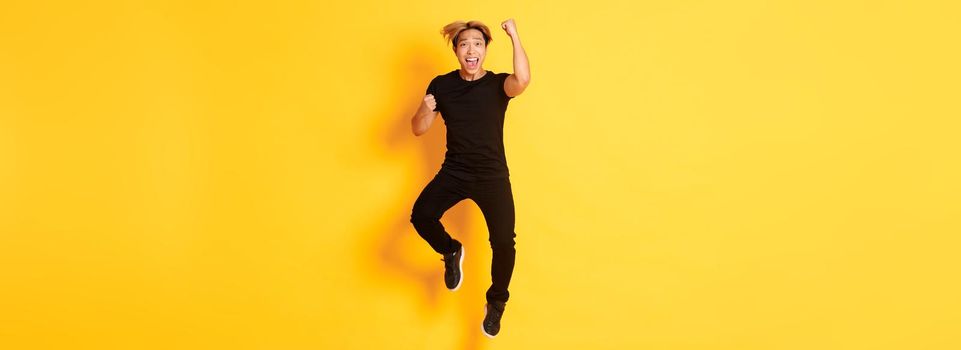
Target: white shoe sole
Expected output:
[460,269]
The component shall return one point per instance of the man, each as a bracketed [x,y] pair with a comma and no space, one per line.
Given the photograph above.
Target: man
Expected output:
[472,101]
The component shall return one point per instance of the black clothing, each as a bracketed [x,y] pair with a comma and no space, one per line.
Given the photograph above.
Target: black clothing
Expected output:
[474,167]
[474,114]
[496,202]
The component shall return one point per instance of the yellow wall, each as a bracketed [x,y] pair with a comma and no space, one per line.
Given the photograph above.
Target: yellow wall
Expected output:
[688,175]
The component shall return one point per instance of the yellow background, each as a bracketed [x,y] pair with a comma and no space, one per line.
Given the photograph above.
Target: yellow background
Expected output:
[688,175]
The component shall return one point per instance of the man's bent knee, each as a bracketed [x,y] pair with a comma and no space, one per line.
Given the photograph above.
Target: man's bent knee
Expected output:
[420,217]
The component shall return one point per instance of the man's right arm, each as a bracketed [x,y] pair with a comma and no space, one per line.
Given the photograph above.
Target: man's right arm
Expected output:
[425,116]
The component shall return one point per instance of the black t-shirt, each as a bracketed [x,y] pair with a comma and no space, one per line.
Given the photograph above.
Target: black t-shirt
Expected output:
[473,112]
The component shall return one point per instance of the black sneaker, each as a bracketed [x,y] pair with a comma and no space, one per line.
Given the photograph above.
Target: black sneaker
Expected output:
[452,269]
[492,319]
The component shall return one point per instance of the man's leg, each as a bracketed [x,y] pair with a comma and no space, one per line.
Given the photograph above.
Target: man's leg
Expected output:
[496,201]
[439,195]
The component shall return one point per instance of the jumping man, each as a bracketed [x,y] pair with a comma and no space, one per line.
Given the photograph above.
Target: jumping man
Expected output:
[472,102]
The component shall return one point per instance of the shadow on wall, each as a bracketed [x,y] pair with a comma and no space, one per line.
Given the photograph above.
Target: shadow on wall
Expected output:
[399,252]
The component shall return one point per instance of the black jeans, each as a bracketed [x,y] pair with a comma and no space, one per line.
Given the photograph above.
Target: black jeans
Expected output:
[496,202]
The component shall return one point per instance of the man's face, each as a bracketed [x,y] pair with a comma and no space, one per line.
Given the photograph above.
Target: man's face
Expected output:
[471,50]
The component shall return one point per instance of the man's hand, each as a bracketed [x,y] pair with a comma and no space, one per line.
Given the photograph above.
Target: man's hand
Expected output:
[429,102]
[425,115]
[510,27]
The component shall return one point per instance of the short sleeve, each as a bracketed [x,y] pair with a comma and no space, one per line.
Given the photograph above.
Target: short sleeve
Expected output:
[501,79]
[432,88]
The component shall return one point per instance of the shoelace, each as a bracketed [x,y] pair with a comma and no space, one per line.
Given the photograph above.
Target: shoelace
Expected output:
[449,264]
[495,315]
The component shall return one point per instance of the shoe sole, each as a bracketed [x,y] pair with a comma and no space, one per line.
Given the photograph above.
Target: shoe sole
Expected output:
[482,324]
[460,269]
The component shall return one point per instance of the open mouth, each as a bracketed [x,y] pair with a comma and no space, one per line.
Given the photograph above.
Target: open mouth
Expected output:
[472,62]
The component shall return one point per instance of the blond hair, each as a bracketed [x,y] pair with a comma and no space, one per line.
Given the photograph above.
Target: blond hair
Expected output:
[451,32]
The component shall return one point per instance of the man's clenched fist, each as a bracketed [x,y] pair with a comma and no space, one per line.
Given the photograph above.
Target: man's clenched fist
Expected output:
[509,27]
[429,102]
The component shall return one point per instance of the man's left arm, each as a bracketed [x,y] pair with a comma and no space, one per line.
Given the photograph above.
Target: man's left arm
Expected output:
[517,82]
